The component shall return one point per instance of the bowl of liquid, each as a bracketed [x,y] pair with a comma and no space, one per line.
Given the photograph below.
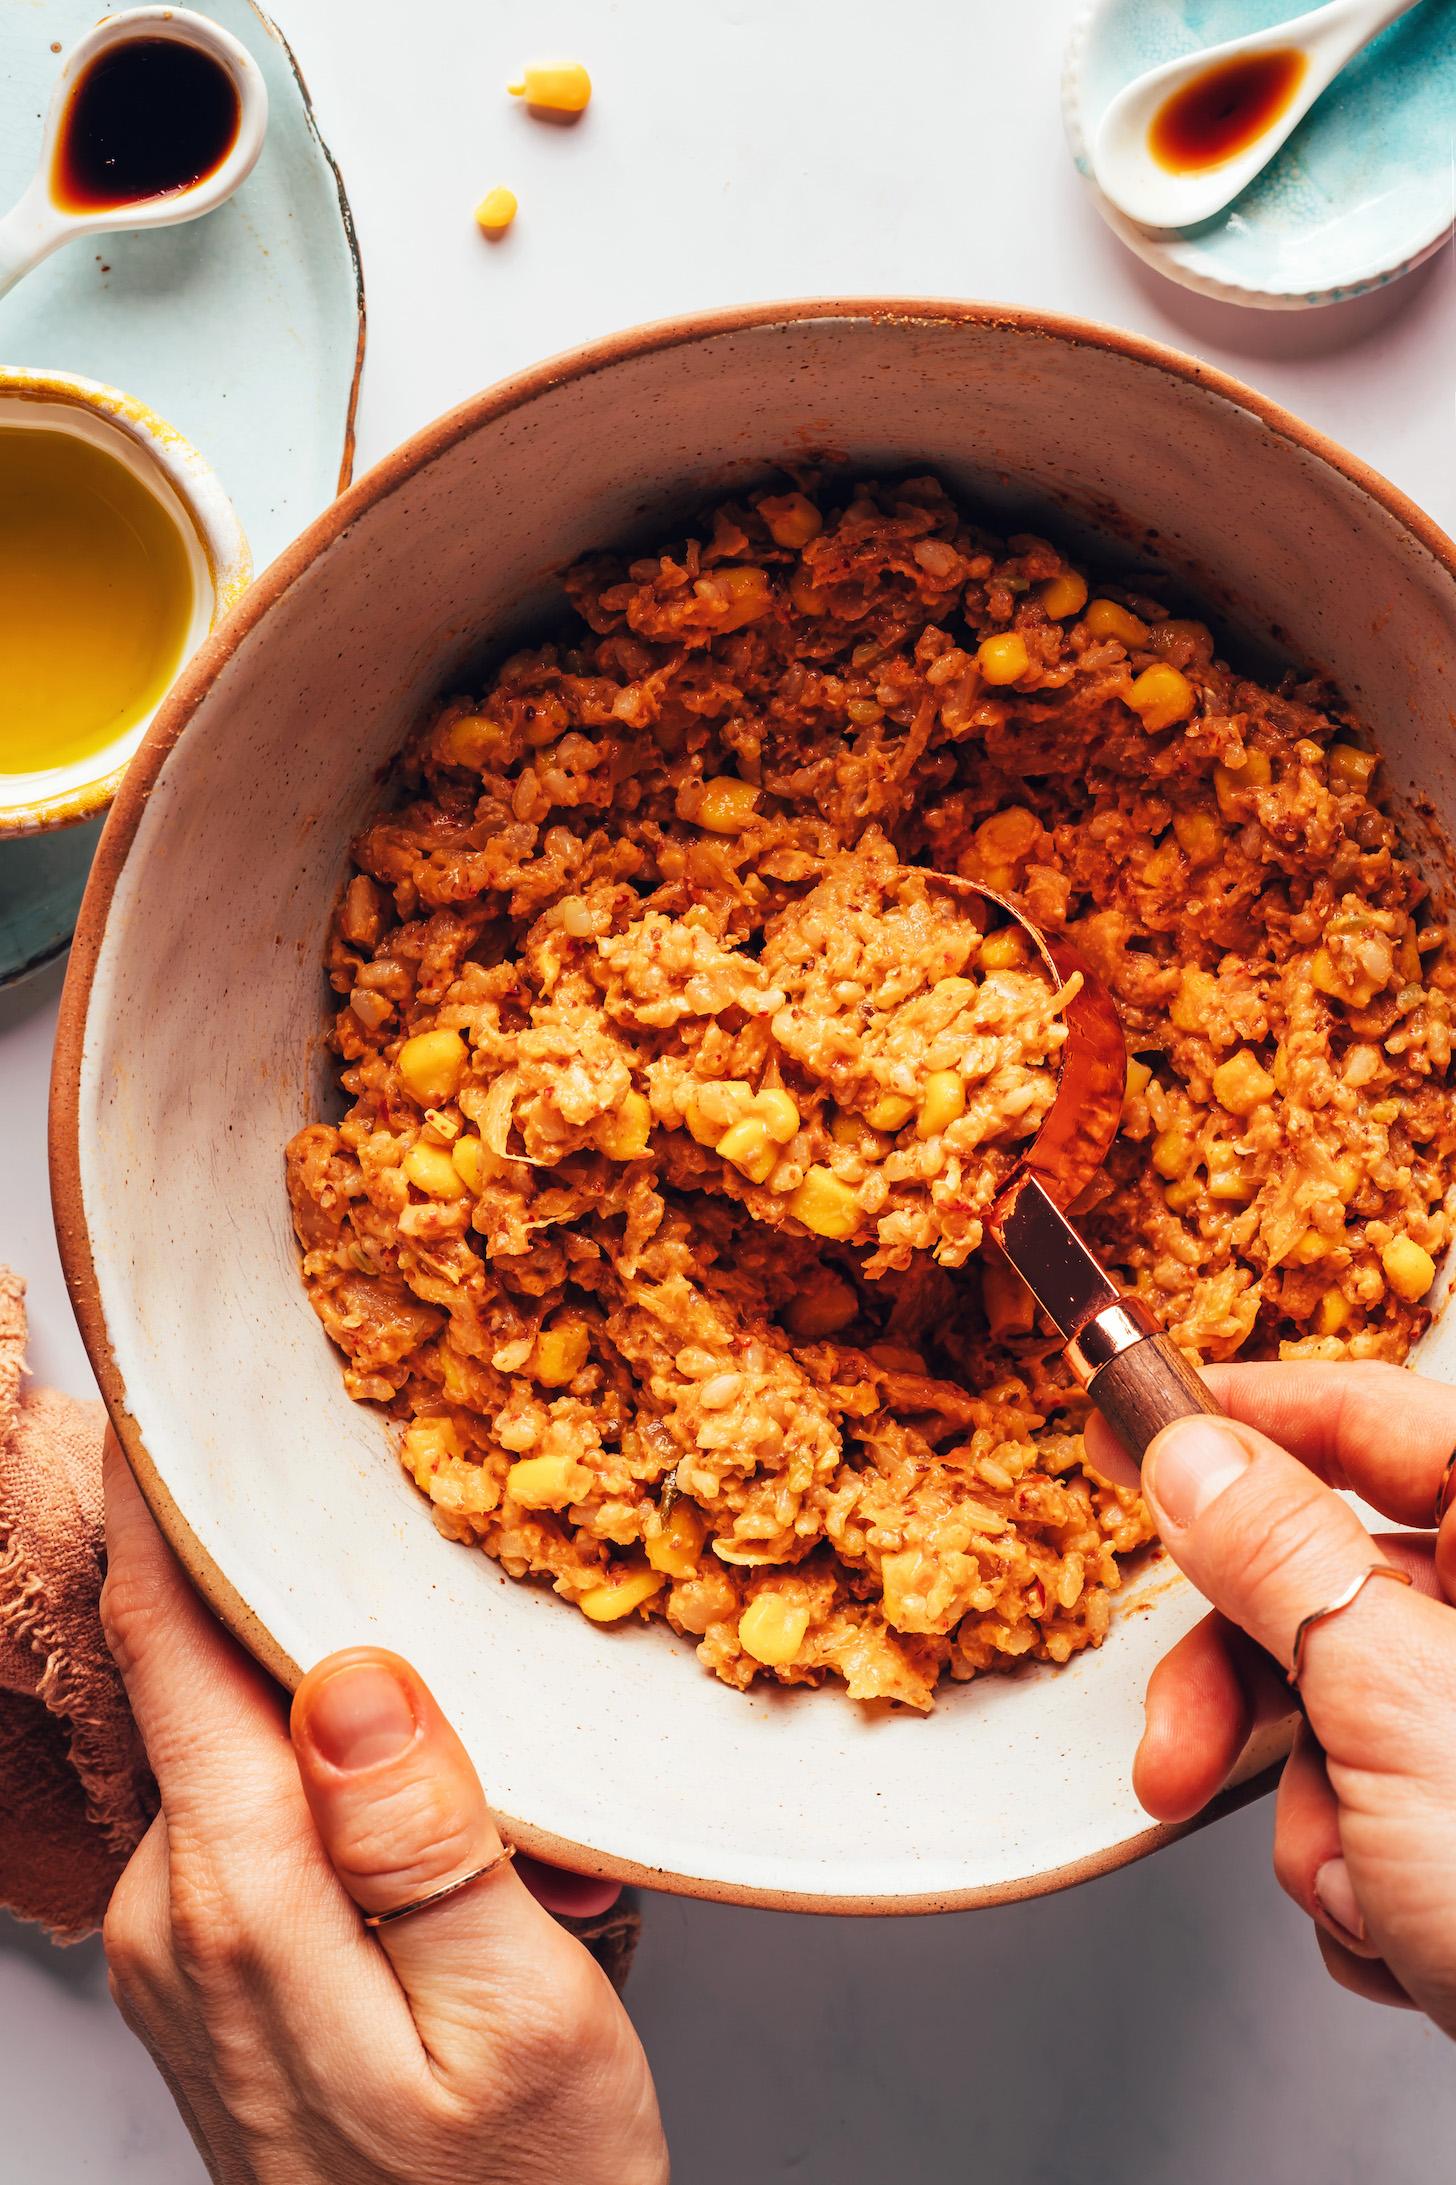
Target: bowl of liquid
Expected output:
[119,551]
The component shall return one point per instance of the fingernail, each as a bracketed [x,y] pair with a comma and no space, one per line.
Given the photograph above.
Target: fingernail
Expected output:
[360,1716]
[1188,1466]
[1336,1898]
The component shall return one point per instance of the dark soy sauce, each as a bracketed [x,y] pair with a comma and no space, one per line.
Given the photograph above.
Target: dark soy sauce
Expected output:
[1224,109]
[146,119]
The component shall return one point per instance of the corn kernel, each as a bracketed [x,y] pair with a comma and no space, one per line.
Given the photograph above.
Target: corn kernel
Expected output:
[1409,1269]
[1242,1083]
[1007,837]
[892,1111]
[726,805]
[1332,1313]
[749,595]
[1172,1151]
[1311,1249]
[805,596]
[846,1129]
[714,1105]
[1003,659]
[1183,1195]
[610,1603]
[1231,783]
[1010,1306]
[1190,1006]
[1104,618]
[772,1629]
[945,1099]
[560,87]
[471,1163]
[1351,768]
[431,1066]
[825,1204]
[496,210]
[777,1111]
[792,519]
[1163,867]
[431,1170]
[429,1443]
[1007,949]
[471,741]
[1160,696]
[1064,595]
[623,1135]
[1137,1080]
[1199,836]
[560,1353]
[749,1148]
[823,1308]
[1227,1179]
[676,1549]
[1348,1176]
[547,1483]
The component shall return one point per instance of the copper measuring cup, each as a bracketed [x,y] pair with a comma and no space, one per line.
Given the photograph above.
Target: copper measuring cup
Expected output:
[1132,1371]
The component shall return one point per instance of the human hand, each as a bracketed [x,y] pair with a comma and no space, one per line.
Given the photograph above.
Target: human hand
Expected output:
[1365,1823]
[473,2043]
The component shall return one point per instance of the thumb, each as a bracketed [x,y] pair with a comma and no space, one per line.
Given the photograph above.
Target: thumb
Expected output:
[401,1813]
[1269,1545]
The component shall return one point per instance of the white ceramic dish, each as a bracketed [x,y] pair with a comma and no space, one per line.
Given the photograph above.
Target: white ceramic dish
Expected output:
[205,923]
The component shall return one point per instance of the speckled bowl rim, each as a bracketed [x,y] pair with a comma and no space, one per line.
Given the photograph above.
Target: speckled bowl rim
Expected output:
[1152,247]
[387,477]
[214,523]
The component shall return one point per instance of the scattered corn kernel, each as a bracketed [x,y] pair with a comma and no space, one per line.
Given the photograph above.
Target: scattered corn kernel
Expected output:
[1010,1306]
[431,1170]
[1242,1083]
[1348,1176]
[749,595]
[470,1162]
[826,1306]
[429,1443]
[1227,1178]
[945,1099]
[1231,783]
[1136,1081]
[676,1549]
[714,1105]
[560,87]
[1162,867]
[1064,595]
[1007,837]
[749,1148]
[1183,1195]
[560,1353]
[610,1603]
[496,210]
[623,1135]
[1003,659]
[805,596]
[1199,836]
[1007,949]
[547,1483]
[1190,1006]
[1351,768]
[1311,1249]
[1409,1269]
[431,1066]
[1173,1151]
[892,1111]
[772,1629]
[1160,696]
[725,805]
[1332,1313]
[1104,618]
[778,1113]
[472,740]
[825,1204]
[792,519]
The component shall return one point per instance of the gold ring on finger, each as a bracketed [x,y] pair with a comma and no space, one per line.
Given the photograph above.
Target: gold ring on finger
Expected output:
[437,1896]
[1345,1600]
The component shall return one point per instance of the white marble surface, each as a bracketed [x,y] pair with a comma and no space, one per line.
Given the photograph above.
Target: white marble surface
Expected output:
[1172,2021]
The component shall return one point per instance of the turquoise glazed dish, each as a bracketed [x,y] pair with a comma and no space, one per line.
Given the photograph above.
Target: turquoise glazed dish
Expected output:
[245,330]
[1363,190]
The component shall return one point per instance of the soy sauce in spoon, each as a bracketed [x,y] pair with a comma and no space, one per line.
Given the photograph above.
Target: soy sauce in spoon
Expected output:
[147,119]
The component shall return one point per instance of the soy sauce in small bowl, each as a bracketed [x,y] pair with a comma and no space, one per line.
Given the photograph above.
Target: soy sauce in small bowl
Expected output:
[148,118]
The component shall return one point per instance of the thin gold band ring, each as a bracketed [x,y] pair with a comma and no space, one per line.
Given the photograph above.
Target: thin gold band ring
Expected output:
[1350,1595]
[438,1896]
[1443,1492]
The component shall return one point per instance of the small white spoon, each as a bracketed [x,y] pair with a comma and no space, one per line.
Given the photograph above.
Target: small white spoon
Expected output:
[40,224]
[1157,196]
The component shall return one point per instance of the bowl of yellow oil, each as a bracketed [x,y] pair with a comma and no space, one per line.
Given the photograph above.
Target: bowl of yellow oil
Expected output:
[119,553]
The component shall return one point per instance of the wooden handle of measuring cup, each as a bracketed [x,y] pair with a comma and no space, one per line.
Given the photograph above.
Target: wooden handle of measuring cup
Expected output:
[1136,1376]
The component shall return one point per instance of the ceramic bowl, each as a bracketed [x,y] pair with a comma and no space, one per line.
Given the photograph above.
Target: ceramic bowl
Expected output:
[191,1050]
[217,554]
[1361,193]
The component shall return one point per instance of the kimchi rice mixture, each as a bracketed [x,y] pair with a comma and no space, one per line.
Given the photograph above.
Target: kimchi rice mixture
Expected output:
[677,1091]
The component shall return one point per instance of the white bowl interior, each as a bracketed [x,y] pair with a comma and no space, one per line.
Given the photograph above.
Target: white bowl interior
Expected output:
[133,449]
[201,1057]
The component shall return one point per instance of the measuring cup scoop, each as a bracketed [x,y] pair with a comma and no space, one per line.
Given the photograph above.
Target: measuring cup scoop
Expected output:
[44,219]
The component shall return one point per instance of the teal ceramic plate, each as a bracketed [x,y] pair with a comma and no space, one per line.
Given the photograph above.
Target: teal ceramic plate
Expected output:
[245,330]
[1362,191]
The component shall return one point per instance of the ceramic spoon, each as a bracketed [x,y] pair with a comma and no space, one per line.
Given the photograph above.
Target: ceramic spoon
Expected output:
[1157,194]
[40,223]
